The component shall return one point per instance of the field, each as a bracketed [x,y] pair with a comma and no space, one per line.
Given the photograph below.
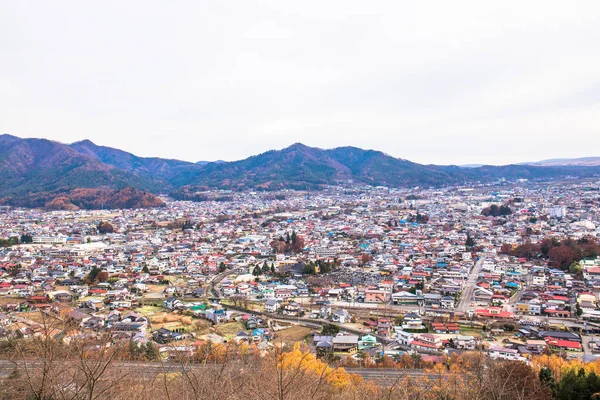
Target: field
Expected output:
[229,330]
[37,316]
[470,332]
[149,311]
[293,334]
[11,300]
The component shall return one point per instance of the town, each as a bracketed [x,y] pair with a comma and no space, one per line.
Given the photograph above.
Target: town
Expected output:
[357,274]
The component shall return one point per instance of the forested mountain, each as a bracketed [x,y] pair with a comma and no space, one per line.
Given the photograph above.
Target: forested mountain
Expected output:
[36,171]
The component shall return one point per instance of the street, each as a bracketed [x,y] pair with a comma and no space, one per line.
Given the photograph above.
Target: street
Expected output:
[469,287]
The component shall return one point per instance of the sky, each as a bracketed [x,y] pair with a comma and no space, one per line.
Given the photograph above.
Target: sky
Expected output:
[435,82]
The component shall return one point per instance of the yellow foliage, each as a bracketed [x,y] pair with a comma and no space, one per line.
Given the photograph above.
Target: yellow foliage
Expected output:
[560,366]
[302,360]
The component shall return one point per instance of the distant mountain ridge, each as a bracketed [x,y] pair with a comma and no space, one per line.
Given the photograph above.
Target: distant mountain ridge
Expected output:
[43,170]
[579,162]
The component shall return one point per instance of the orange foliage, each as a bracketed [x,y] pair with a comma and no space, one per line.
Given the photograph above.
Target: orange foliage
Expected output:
[301,359]
[94,198]
[559,366]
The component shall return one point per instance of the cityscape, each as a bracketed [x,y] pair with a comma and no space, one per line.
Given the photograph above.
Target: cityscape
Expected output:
[363,277]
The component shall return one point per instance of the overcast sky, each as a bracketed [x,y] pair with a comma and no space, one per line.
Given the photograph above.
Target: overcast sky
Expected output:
[445,82]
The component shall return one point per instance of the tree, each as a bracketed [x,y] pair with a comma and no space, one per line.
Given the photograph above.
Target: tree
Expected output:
[272,269]
[309,269]
[513,380]
[578,309]
[102,276]
[265,268]
[294,237]
[91,276]
[470,241]
[145,269]
[331,330]
[105,227]
[546,378]
[298,244]
[257,271]
[366,258]
[151,351]
[222,267]
[421,218]
[576,268]
[563,256]
[496,211]
[26,238]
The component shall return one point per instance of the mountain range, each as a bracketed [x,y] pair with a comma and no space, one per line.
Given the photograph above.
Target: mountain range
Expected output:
[36,172]
[583,161]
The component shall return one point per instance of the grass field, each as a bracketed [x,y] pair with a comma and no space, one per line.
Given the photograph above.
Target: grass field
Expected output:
[293,334]
[229,330]
[171,326]
[148,310]
[470,332]
[11,300]
[36,316]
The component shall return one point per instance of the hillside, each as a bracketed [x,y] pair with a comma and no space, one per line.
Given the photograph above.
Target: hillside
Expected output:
[296,167]
[37,170]
[164,171]
[86,199]
[36,165]
[377,168]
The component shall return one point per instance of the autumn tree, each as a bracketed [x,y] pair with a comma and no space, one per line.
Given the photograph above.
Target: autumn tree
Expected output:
[92,275]
[105,227]
[102,276]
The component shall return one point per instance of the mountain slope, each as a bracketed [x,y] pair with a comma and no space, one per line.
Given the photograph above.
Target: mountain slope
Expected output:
[39,170]
[31,165]
[36,166]
[169,172]
[297,166]
[303,167]
[377,168]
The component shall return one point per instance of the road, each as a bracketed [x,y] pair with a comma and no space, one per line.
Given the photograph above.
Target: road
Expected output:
[469,287]
[585,343]
[215,280]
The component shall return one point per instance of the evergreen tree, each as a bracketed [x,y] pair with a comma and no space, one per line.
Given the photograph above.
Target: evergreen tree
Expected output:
[134,350]
[294,237]
[545,376]
[265,268]
[222,267]
[272,269]
[145,269]
[91,276]
[257,271]
[470,241]
[26,238]
[151,351]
